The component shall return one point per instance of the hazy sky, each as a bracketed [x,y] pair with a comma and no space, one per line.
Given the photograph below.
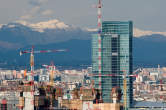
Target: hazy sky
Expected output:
[146,14]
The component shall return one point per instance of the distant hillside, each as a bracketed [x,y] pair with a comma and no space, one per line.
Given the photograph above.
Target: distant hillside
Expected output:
[148,50]
[15,35]
[79,53]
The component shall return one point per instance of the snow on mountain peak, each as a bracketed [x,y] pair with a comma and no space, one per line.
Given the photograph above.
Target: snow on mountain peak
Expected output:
[139,33]
[56,24]
[41,26]
[52,24]
[1,25]
[22,22]
[136,32]
[91,29]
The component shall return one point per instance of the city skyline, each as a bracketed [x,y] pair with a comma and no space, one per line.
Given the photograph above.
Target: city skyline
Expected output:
[85,55]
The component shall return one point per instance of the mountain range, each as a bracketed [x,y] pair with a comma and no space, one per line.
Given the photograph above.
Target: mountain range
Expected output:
[148,46]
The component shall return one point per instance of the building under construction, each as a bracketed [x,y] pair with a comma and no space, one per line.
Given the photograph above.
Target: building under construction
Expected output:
[23,95]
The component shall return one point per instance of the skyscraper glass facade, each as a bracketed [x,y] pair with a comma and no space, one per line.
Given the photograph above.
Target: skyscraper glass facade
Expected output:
[116,58]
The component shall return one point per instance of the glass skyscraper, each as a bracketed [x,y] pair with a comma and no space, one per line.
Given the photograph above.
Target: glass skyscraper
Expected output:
[116,58]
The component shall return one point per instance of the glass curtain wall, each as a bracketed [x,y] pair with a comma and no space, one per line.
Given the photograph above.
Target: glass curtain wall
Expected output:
[116,40]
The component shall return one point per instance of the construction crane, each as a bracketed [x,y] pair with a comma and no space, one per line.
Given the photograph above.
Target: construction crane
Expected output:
[52,69]
[99,30]
[124,75]
[32,52]
[99,6]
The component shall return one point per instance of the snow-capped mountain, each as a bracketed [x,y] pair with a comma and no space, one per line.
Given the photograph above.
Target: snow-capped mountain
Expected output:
[148,46]
[140,33]
[55,24]
[136,32]
[53,31]
[41,26]
[22,33]
[1,25]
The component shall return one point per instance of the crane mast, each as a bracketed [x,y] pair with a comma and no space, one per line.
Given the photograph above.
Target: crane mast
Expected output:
[125,91]
[124,84]
[51,68]
[32,52]
[99,44]
[32,62]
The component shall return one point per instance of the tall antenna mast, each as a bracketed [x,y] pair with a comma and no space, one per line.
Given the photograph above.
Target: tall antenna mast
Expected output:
[99,42]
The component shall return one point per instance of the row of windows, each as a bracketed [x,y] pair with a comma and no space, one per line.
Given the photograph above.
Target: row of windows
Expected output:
[111,45]
[126,25]
[109,69]
[107,62]
[115,31]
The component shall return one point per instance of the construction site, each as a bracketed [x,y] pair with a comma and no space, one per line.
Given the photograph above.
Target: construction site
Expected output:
[26,95]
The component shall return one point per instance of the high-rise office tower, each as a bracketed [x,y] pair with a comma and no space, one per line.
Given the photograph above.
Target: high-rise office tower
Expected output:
[116,58]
